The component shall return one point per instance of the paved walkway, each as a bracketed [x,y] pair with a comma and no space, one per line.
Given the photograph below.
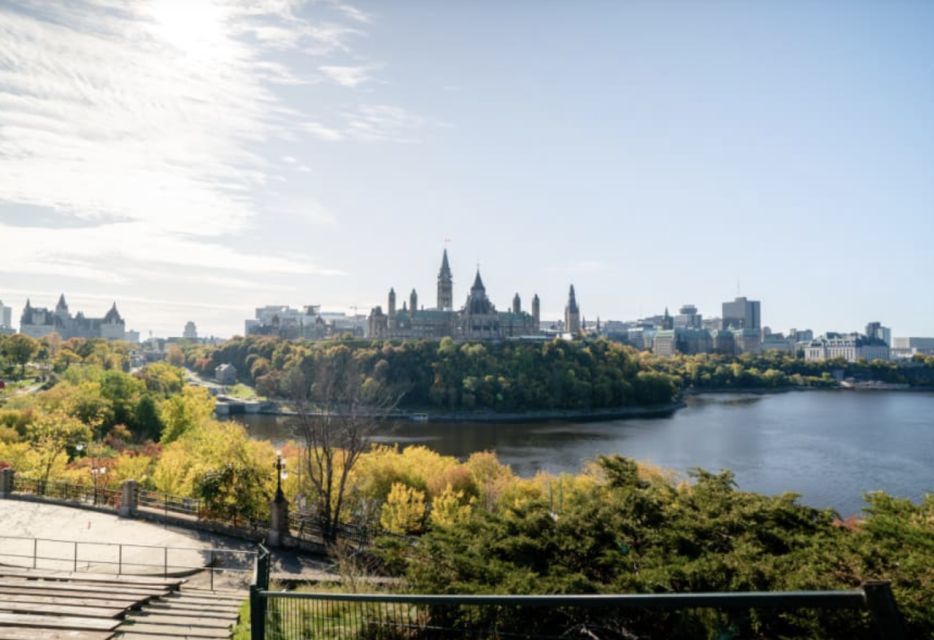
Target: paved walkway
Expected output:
[53,522]
[38,520]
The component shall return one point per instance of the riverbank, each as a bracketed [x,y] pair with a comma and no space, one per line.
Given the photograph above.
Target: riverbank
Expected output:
[225,409]
[519,417]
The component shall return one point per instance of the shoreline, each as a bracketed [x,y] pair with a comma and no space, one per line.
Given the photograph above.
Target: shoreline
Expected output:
[270,408]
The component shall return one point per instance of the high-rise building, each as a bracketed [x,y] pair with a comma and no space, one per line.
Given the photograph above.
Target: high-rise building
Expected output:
[516,304]
[688,318]
[536,312]
[413,300]
[742,314]
[876,330]
[191,331]
[445,285]
[6,318]
[572,314]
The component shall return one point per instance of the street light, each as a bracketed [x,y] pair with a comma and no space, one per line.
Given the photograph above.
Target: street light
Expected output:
[280,474]
[97,473]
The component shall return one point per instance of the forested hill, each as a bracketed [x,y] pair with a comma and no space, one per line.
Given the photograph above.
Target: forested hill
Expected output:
[510,376]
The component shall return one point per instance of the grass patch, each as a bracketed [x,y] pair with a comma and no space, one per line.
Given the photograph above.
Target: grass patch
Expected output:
[242,392]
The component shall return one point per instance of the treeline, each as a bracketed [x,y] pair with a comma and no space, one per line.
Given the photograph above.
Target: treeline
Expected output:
[776,370]
[20,354]
[510,376]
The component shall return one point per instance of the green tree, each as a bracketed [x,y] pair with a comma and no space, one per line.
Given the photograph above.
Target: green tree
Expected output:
[20,349]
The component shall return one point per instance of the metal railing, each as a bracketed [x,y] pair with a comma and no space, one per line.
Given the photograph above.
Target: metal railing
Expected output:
[80,494]
[280,615]
[126,559]
[167,504]
[307,527]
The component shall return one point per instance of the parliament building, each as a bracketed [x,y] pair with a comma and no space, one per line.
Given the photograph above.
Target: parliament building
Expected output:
[478,319]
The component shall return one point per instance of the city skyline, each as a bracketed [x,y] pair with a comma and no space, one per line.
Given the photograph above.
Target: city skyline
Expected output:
[193,161]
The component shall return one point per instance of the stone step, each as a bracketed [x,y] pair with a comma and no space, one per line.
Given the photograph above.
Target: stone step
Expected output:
[203,601]
[29,633]
[176,631]
[57,622]
[59,609]
[161,607]
[71,601]
[174,619]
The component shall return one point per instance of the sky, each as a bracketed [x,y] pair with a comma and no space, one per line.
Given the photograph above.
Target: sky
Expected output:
[192,160]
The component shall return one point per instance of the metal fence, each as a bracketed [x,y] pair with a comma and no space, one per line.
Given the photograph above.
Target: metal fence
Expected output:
[167,504]
[79,494]
[234,566]
[281,615]
[307,527]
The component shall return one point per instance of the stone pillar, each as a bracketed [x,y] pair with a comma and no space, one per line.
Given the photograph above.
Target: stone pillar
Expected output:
[6,482]
[128,500]
[278,521]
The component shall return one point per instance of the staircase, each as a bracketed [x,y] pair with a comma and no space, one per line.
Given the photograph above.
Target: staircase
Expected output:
[187,613]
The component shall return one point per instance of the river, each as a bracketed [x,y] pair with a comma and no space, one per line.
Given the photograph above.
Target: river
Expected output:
[828,446]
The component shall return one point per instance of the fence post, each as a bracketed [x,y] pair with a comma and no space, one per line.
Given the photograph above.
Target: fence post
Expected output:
[129,499]
[211,564]
[165,562]
[885,616]
[76,557]
[6,482]
[35,551]
[120,560]
[257,614]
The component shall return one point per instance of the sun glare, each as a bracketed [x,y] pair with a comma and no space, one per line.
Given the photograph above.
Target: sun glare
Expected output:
[194,27]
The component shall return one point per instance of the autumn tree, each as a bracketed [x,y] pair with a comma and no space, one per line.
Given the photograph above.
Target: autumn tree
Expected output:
[51,435]
[337,412]
[182,412]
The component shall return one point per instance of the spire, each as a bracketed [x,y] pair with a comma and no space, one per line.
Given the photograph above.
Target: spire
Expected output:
[445,284]
[113,315]
[477,281]
[516,304]
[445,267]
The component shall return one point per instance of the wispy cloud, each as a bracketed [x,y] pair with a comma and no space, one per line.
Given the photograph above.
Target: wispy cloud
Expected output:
[382,122]
[348,76]
[146,121]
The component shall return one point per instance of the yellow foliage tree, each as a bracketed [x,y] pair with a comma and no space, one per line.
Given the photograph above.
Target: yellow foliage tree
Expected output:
[449,508]
[127,466]
[51,435]
[180,413]
[404,510]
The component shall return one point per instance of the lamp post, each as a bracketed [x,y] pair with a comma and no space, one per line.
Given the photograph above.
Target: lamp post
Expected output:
[97,473]
[280,474]
[279,509]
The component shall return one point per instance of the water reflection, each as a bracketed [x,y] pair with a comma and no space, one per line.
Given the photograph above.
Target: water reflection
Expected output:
[830,447]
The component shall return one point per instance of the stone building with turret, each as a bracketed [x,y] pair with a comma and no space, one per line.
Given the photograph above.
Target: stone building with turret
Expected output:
[478,319]
[37,322]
